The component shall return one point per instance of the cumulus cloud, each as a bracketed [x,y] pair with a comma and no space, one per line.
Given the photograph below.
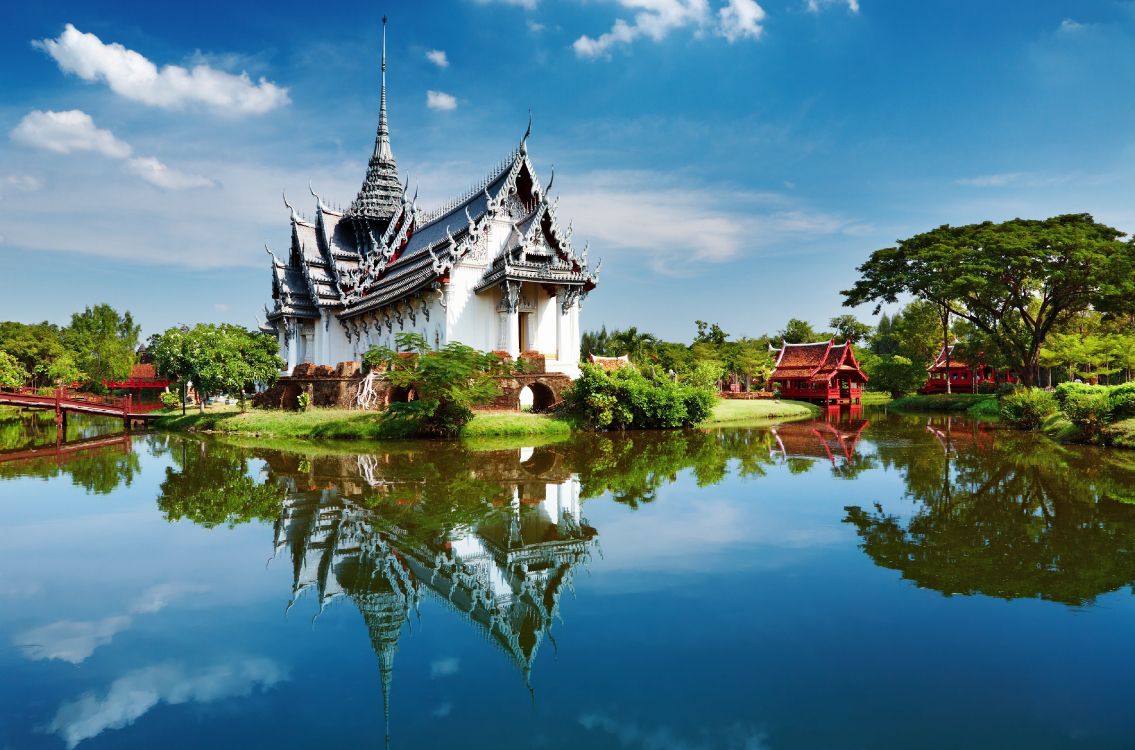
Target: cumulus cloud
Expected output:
[655,19]
[815,6]
[75,640]
[438,58]
[526,4]
[156,173]
[74,130]
[131,696]
[131,75]
[741,19]
[67,132]
[441,101]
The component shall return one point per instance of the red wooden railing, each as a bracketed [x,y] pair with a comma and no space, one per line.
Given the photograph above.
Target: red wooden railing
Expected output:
[68,398]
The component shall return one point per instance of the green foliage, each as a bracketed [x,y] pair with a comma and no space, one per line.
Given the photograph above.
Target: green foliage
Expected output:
[1121,401]
[170,400]
[102,343]
[800,332]
[896,375]
[1012,281]
[627,399]
[849,328]
[38,347]
[12,372]
[221,358]
[1028,408]
[303,401]
[446,383]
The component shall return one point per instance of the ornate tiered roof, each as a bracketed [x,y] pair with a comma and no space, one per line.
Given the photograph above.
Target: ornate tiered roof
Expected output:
[383,249]
[817,362]
[940,361]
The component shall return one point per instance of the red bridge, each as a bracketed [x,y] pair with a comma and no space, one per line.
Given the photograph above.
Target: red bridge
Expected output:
[62,452]
[64,400]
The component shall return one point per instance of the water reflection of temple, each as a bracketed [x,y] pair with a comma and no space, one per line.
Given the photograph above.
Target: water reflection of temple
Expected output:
[834,439]
[366,535]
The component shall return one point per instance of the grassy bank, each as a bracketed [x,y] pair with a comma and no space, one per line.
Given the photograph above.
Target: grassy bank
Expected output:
[346,424]
[982,405]
[738,411]
[1120,434]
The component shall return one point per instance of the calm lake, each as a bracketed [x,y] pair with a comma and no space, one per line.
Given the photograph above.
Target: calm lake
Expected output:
[862,581]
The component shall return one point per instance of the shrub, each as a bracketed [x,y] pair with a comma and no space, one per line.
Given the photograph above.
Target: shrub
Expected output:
[170,400]
[1064,390]
[627,399]
[1121,401]
[1088,409]
[1026,409]
[303,401]
[896,375]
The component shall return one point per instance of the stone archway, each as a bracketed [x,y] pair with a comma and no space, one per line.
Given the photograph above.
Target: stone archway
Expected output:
[397,394]
[536,397]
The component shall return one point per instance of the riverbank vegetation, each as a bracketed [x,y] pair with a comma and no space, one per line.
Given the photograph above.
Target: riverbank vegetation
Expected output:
[98,344]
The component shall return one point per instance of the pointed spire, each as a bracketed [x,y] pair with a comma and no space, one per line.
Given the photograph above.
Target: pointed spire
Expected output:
[380,194]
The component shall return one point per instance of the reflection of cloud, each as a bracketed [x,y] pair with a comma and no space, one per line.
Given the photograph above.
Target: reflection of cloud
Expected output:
[629,734]
[444,667]
[75,640]
[69,640]
[445,709]
[132,695]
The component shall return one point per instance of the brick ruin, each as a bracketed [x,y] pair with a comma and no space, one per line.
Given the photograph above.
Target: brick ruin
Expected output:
[338,387]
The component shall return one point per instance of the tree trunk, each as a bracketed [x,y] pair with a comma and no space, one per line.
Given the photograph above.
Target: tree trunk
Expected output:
[946,347]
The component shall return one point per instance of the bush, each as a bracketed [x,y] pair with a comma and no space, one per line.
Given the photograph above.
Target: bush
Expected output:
[1121,402]
[1087,409]
[1027,409]
[896,375]
[170,400]
[627,399]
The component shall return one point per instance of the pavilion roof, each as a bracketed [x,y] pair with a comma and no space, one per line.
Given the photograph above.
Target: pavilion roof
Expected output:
[817,361]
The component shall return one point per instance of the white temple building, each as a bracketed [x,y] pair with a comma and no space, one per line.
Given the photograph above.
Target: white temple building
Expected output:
[492,269]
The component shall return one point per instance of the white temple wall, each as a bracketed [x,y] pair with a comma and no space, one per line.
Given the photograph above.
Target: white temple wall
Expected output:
[471,318]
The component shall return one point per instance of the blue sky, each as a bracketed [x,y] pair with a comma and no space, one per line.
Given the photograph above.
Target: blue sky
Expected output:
[730,160]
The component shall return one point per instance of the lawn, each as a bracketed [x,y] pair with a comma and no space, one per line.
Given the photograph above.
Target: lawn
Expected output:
[738,411]
[972,404]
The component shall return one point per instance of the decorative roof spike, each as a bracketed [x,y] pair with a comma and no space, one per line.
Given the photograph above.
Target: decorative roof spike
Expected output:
[551,180]
[289,205]
[378,197]
[318,200]
[527,132]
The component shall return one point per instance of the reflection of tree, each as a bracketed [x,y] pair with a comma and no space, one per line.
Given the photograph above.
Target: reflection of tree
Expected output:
[98,469]
[211,486]
[1004,514]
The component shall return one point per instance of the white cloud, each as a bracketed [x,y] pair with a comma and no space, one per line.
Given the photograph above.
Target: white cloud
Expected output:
[535,27]
[25,183]
[655,19]
[74,130]
[444,667]
[131,75]
[438,58]
[67,132]
[741,19]
[441,101]
[526,4]
[154,172]
[679,227]
[131,696]
[1014,179]
[69,640]
[1068,26]
[75,640]
[815,6]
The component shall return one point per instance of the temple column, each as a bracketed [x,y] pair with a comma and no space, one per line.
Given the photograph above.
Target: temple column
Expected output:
[293,342]
[512,331]
[561,329]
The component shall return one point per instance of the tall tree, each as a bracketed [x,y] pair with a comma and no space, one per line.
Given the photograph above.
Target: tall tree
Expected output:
[1014,280]
[38,347]
[216,358]
[12,373]
[102,343]
[799,332]
[849,328]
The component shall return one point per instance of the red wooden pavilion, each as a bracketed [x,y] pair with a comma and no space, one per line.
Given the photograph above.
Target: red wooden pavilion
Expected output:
[824,372]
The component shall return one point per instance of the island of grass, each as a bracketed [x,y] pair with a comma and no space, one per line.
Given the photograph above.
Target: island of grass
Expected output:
[981,405]
[348,424]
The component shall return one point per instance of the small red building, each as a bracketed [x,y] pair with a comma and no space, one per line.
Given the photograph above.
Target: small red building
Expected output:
[962,377]
[824,372]
[144,383]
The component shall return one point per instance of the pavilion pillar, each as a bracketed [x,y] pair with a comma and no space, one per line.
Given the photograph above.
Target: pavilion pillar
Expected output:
[293,343]
[511,322]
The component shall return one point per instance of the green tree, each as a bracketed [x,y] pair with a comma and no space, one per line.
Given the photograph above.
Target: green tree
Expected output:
[849,328]
[1014,281]
[12,373]
[896,375]
[216,358]
[799,332]
[639,346]
[709,333]
[102,343]
[447,383]
[37,347]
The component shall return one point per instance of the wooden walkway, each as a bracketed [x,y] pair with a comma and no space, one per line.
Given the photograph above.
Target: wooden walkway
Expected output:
[64,401]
